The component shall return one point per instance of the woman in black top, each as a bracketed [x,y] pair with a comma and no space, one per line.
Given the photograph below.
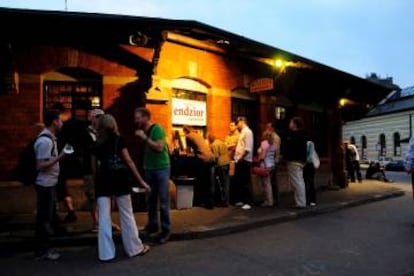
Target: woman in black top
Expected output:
[295,156]
[115,166]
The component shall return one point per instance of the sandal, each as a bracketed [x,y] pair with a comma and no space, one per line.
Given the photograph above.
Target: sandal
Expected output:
[144,251]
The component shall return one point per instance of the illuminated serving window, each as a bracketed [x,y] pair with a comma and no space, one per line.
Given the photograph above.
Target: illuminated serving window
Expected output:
[79,97]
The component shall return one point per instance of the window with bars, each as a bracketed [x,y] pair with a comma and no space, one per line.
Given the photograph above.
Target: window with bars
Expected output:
[397,144]
[79,97]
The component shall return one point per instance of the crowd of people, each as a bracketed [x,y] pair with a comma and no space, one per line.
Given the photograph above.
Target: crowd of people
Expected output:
[222,171]
[106,167]
[353,167]
[223,167]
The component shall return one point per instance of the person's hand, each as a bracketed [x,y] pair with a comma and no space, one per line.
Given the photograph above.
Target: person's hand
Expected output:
[62,154]
[146,186]
[141,134]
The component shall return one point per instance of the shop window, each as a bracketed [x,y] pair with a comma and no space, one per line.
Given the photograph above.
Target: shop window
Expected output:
[79,97]
[189,95]
[244,108]
[397,144]
[77,89]
[280,113]
[9,78]
[364,147]
[181,118]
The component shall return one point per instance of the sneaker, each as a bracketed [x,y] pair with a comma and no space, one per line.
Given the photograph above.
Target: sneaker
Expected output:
[149,234]
[312,204]
[246,207]
[70,217]
[239,204]
[164,237]
[49,255]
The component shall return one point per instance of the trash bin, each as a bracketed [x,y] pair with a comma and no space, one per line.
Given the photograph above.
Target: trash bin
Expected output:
[185,191]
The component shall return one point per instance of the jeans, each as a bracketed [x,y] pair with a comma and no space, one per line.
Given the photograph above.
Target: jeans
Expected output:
[223,181]
[309,177]
[45,216]
[357,170]
[275,185]
[242,181]
[158,180]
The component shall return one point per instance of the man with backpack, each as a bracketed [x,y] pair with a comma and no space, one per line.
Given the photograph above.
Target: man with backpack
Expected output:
[47,164]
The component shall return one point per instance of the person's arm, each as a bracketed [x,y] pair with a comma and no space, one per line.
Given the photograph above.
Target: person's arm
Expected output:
[248,144]
[157,145]
[131,165]
[156,142]
[44,162]
[214,151]
[262,151]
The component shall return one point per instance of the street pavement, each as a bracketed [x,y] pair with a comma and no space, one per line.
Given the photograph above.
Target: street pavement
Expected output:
[17,230]
[370,239]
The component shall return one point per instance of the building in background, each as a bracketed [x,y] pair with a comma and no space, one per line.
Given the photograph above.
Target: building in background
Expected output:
[386,129]
[185,72]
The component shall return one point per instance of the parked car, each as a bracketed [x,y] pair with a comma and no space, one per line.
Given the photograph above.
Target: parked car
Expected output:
[364,163]
[396,165]
[384,161]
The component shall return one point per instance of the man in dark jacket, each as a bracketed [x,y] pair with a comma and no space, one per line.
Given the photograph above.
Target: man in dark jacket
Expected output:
[295,156]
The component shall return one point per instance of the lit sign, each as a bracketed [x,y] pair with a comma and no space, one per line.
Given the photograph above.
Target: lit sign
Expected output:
[189,112]
[263,84]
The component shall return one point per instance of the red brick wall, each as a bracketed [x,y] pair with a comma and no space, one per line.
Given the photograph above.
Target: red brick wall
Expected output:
[20,113]
[219,72]
[218,115]
[214,69]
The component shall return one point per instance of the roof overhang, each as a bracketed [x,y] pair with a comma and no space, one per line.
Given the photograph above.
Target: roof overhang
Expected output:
[105,29]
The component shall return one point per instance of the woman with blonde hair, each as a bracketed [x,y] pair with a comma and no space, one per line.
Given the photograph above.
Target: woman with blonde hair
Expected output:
[115,166]
[266,158]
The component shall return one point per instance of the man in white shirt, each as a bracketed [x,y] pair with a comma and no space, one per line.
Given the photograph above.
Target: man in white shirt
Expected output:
[355,163]
[243,157]
[47,161]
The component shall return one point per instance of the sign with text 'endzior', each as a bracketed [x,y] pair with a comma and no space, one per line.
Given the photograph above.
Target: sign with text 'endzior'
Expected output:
[262,84]
[189,112]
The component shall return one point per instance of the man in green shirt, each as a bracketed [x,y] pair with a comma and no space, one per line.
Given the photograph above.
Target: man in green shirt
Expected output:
[157,173]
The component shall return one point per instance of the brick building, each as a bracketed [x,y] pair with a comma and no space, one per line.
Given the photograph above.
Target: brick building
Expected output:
[120,62]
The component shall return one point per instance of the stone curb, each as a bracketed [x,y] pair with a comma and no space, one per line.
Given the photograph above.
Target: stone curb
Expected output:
[201,232]
[228,228]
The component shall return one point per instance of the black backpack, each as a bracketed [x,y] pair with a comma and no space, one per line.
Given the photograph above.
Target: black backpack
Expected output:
[26,171]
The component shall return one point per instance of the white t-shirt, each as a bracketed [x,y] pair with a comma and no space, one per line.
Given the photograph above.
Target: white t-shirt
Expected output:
[46,148]
[245,143]
[354,148]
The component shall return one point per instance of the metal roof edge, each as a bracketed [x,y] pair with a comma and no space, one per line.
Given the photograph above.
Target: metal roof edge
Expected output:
[187,24]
